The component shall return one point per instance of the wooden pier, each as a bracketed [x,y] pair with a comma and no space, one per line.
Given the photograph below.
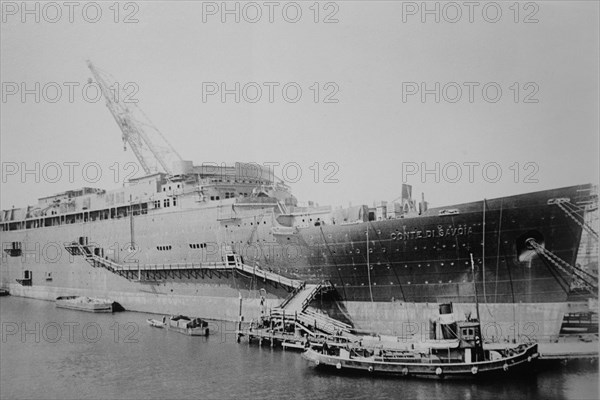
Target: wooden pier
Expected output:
[294,325]
[279,339]
[574,350]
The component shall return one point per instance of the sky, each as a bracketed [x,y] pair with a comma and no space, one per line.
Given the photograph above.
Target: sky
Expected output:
[486,102]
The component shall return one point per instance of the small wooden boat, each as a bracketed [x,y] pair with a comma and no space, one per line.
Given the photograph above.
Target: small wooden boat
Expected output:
[156,323]
[82,303]
[187,326]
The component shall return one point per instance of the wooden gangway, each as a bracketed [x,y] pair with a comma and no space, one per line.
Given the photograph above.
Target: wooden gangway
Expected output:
[312,322]
[294,323]
[152,272]
[301,298]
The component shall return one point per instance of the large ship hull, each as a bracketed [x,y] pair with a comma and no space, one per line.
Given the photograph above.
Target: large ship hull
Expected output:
[409,265]
[427,258]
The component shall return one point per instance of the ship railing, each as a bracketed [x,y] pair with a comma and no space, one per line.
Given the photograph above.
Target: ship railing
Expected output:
[311,296]
[310,317]
[266,275]
[304,295]
[106,262]
[215,266]
[311,320]
[292,295]
[318,323]
[81,250]
[339,324]
[235,264]
[163,267]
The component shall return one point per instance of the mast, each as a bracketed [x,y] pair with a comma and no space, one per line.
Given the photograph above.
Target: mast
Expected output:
[131,226]
[483,255]
[368,265]
[475,287]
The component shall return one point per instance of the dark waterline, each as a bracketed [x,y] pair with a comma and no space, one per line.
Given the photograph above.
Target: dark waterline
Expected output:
[52,356]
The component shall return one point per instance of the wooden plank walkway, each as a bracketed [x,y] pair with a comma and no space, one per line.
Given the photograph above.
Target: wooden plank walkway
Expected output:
[277,338]
[568,351]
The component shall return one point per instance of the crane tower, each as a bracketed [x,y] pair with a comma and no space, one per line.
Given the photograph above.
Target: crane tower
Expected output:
[151,148]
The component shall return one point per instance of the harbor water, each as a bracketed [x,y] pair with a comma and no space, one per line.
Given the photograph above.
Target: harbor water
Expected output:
[51,353]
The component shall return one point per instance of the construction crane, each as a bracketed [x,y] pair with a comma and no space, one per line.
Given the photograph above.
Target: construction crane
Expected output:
[151,148]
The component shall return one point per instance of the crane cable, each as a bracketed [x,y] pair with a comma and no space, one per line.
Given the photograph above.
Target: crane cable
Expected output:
[566,267]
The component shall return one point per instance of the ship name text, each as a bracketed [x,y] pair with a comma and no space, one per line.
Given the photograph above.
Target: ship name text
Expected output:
[440,231]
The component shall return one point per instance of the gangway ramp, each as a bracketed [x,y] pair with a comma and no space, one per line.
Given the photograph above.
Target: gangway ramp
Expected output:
[301,299]
[137,272]
[295,310]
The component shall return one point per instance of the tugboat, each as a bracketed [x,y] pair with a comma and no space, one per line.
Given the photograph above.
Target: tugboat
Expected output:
[456,353]
[462,358]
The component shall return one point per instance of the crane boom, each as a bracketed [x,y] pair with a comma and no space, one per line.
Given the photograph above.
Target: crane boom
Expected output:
[151,148]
